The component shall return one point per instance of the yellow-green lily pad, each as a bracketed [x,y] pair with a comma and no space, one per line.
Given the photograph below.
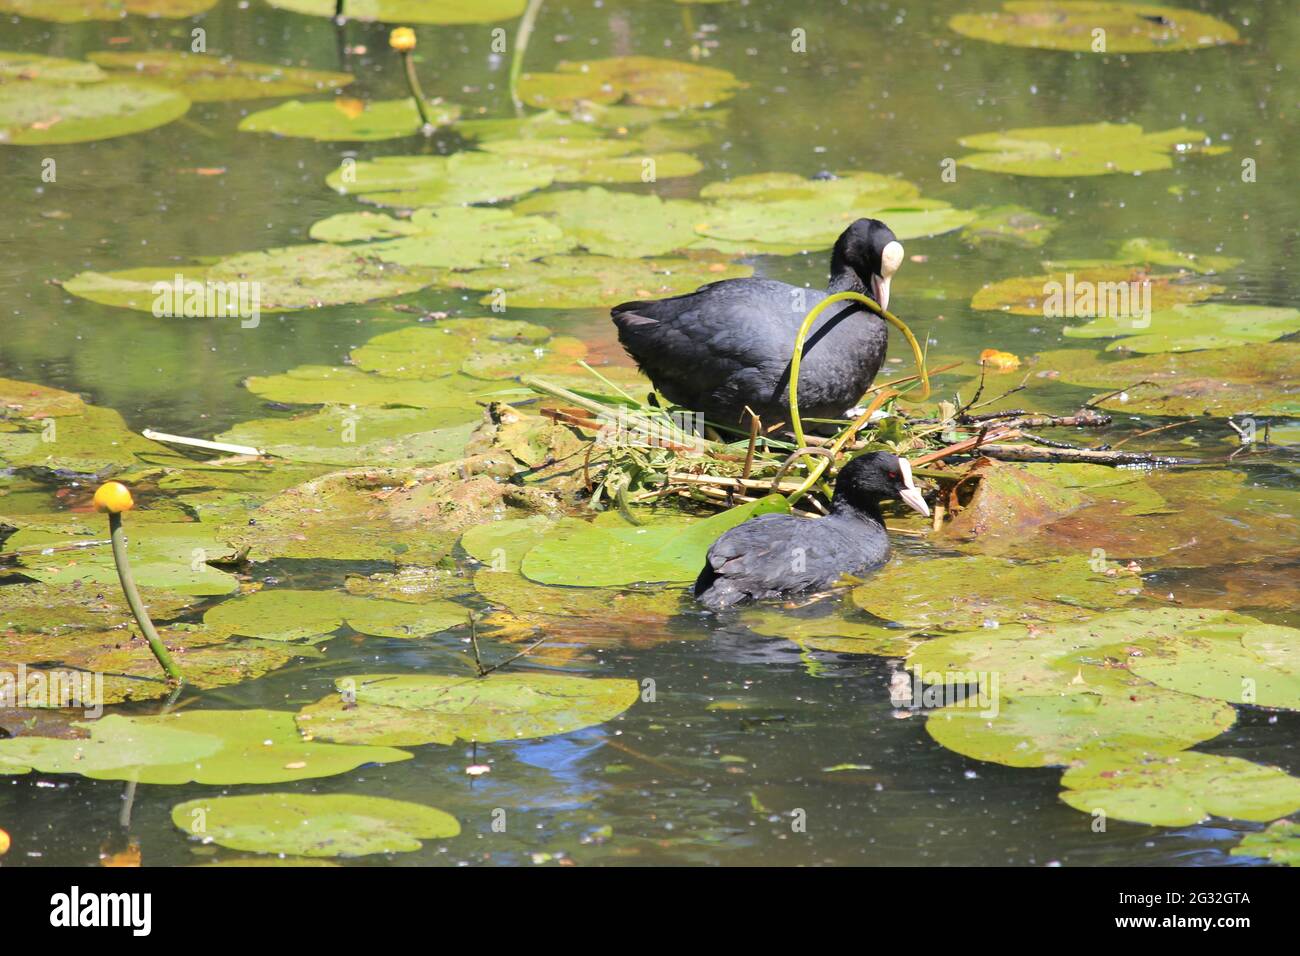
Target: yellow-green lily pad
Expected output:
[460,179]
[346,120]
[24,67]
[283,614]
[1072,25]
[414,709]
[411,11]
[1121,291]
[313,825]
[40,112]
[318,274]
[1089,149]
[621,224]
[204,78]
[1279,843]
[345,385]
[641,80]
[79,11]
[1187,328]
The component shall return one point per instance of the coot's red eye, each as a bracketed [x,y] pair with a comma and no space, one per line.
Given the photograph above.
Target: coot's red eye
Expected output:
[893,474]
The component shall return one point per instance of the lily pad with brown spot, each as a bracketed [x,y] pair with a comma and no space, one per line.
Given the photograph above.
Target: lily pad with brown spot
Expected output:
[24,67]
[1072,25]
[1122,292]
[640,80]
[34,402]
[204,78]
[41,113]
[346,120]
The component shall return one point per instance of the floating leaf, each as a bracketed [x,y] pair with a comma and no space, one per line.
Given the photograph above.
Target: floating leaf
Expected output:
[206,79]
[339,435]
[154,289]
[641,80]
[217,747]
[412,11]
[619,223]
[1250,379]
[39,112]
[1090,149]
[1072,25]
[468,238]
[412,585]
[421,709]
[1150,252]
[1121,292]
[963,593]
[1279,843]
[1041,731]
[610,554]
[313,825]
[592,281]
[78,11]
[35,402]
[282,614]
[460,179]
[24,67]
[1010,225]
[359,226]
[1008,503]
[344,385]
[1187,328]
[318,274]
[1178,790]
[839,632]
[483,347]
[334,120]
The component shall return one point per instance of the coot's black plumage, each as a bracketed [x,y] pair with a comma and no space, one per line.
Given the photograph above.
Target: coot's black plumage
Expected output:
[728,344]
[775,555]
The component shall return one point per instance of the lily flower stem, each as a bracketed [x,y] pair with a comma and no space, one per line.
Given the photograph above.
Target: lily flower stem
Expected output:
[118,535]
[413,82]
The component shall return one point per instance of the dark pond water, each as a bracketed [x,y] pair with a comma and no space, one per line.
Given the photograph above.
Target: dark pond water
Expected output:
[883,87]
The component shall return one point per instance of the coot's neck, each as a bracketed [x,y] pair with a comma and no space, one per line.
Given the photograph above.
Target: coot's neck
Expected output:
[845,279]
[868,511]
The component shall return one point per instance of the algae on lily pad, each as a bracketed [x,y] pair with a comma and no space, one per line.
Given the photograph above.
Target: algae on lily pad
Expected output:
[411,11]
[1042,731]
[216,747]
[1245,379]
[614,552]
[463,178]
[1188,328]
[409,710]
[79,11]
[283,614]
[640,80]
[313,825]
[34,402]
[964,593]
[206,79]
[593,281]
[1181,789]
[340,435]
[482,347]
[1121,292]
[344,119]
[40,112]
[1090,149]
[1071,25]
[1279,843]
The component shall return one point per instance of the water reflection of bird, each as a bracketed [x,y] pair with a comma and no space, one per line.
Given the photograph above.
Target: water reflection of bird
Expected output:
[728,344]
[779,555]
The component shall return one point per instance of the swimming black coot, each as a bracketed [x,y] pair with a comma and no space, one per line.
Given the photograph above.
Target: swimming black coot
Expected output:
[728,344]
[780,555]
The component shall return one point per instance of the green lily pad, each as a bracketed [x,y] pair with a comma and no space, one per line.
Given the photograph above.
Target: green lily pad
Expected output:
[1070,25]
[1008,503]
[1090,149]
[40,112]
[593,281]
[963,593]
[152,289]
[1109,290]
[24,67]
[313,825]
[1249,379]
[35,402]
[840,632]
[281,614]
[422,709]
[338,435]
[594,554]
[622,224]
[460,179]
[482,347]
[1179,790]
[1189,328]
[216,747]
[1042,731]
[412,11]
[347,120]
[461,237]
[204,79]
[1009,225]
[1149,252]
[413,585]
[54,611]
[1279,843]
[171,556]
[323,384]
[361,227]
[641,80]
[79,11]
[318,274]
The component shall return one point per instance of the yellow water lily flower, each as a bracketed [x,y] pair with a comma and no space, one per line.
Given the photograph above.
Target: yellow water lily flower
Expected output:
[113,497]
[402,39]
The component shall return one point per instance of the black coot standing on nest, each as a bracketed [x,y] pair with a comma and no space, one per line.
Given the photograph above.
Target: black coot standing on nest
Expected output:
[779,555]
[728,344]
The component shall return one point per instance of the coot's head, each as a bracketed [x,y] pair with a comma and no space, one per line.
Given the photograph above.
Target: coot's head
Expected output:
[869,248]
[869,479]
